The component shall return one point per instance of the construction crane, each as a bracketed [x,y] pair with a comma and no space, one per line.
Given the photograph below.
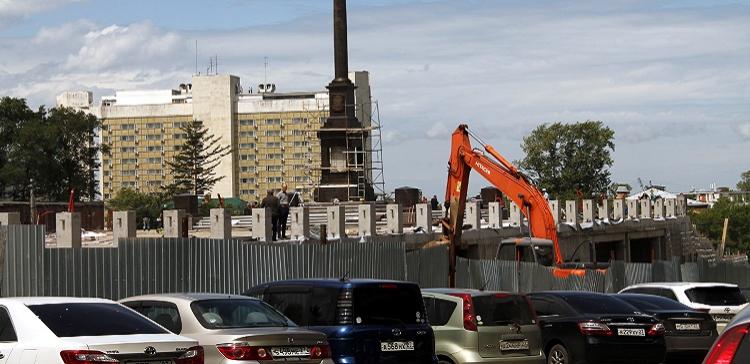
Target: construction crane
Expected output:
[514,184]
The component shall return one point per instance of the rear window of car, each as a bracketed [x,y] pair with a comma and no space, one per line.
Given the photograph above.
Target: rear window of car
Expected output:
[599,304]
[716,296]
[388,304]
[502,309]
[93,319]
[649,303]
[235,313]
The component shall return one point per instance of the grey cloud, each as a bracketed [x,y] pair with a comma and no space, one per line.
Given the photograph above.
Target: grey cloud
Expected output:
[744,130]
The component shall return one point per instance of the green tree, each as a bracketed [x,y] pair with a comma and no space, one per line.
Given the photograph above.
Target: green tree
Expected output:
[144,204]
[56,149]
[711,223]
[567,157]
[744,183]
[193,167]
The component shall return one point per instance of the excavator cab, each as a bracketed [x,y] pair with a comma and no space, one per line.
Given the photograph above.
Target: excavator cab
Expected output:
[532,250]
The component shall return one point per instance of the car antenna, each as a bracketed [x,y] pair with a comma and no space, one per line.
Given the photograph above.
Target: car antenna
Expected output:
[484,285]
[345,277]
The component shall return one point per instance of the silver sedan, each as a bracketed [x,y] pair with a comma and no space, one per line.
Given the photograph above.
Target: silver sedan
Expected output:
[233,328]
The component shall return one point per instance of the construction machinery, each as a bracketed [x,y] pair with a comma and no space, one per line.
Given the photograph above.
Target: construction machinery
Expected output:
[541,244]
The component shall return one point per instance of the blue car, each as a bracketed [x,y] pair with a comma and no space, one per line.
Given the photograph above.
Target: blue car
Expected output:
[367,321]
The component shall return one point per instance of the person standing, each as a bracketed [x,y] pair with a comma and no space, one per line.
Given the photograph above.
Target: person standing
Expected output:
[272,202]
[434,203]
[283,197]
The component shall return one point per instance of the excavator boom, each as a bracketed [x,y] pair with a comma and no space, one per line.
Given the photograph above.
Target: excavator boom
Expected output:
[503,175]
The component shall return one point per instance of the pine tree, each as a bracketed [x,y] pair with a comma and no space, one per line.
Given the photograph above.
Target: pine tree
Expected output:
[193,167]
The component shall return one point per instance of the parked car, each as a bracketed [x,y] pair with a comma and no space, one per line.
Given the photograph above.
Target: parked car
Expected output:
[586,327]
[67,330]
[721,300]
[689,333]
[366,321]
[234,328]
[733,345]
[473,326]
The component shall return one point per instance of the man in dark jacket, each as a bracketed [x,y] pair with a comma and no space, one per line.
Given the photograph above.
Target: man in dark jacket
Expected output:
[272,202]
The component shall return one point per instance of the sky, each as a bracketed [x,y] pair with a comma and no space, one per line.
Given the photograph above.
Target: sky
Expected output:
[671,78]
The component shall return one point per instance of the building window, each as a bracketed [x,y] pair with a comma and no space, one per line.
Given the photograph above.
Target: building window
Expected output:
[273,132]
[299,120]
[105,140]
[247,134]
[129,161]
[154,183]
[127,126]
[275,179]
[247,180]
[154,148]
[247,157]
[127,138]
[273,121]
[302,144]
[247,122]
[274,156]
[247,192]
[300,155]
[179,124]
[273,168]
[248,169]
[298,132]
[154,172]
[153,137]
[153,125]
[154,160]
[179,136]
[247,145]
[273,145]
[106,173]
[127,149]
[130,172]
[300,179]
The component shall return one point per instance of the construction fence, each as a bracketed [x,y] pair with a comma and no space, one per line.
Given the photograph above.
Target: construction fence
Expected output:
[144,266]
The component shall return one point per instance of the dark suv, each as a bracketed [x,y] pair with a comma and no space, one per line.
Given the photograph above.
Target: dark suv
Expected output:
[367,321]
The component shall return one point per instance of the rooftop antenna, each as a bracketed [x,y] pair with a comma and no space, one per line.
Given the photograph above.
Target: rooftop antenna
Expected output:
[217,64]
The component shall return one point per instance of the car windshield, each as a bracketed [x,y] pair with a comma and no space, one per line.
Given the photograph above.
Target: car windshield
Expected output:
[599,304]
[653,303]
[236,313]
[502,309]
[93,319]
[716,296]
[388,303]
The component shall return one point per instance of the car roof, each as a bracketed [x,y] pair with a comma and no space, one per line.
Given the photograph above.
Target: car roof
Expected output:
[684,285]
[53,300]
[571,293]
[473,292]
[187,296]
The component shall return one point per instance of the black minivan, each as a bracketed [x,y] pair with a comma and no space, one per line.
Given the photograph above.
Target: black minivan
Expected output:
[367,321]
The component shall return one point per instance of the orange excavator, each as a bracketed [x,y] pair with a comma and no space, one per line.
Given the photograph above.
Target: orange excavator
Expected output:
[516,186]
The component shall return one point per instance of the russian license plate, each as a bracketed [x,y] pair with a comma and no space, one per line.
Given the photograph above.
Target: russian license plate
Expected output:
[631,332]
[723,318]
[287,351]
[397,346]
[512,345]
[686,327]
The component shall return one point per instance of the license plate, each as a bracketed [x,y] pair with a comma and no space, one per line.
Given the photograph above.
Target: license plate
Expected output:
[397,346]
[686,327]
[514,345]
[723,318]
[631,332]
[290,351]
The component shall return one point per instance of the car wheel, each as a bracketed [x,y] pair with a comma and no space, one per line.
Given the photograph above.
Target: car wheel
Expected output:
[558,355]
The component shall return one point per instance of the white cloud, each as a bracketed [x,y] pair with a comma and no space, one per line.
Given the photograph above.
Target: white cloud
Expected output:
[13,10]
[744,130]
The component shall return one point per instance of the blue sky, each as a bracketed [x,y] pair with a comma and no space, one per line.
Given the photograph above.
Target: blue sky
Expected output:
[672,78]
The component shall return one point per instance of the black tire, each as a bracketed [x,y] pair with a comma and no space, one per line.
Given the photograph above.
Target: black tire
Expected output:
[558,354]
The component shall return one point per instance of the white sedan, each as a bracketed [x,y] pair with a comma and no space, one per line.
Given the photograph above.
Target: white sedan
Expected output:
[46,330]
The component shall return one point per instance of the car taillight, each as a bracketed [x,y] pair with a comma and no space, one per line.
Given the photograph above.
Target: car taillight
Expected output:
[726,347]
[86,357]
[657,330]
[193,355]
[320,352]
[593,328]
[470,322]
[244,351]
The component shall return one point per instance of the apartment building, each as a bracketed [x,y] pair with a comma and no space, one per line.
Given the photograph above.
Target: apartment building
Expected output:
[274,135]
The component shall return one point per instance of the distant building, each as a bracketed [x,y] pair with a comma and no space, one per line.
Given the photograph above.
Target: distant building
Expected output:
[273,135]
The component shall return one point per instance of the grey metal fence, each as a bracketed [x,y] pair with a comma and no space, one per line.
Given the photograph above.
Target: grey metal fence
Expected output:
[142,266]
